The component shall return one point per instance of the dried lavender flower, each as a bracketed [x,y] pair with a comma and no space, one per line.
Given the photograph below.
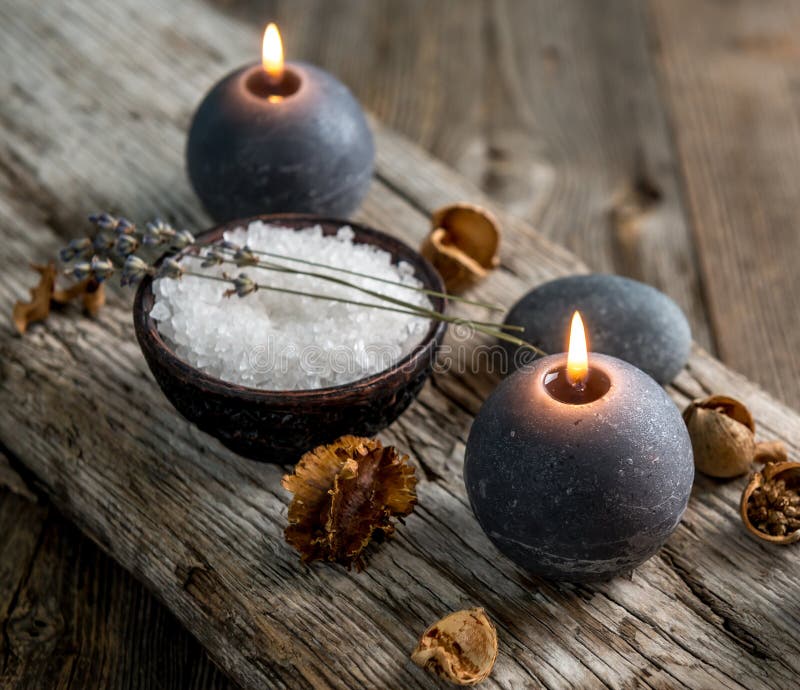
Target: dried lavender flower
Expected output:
[213,257]
[125,227]
[102,242]
[134,270]
[182,239]
[101,268]
[104,221]
[126,244]
[152,235]
[158,232]
[170,269]
[75,249]
[81,271]
[245,257]
[242,286]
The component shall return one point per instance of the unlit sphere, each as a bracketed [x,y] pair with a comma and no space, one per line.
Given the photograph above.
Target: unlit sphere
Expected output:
[624,318]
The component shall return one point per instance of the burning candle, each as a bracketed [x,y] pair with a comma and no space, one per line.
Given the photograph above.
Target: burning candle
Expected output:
[578,467]
[279,137]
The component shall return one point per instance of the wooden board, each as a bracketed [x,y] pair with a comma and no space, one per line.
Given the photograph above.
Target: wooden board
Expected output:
[109,635]
[730,70]
[202,528]
[552,107]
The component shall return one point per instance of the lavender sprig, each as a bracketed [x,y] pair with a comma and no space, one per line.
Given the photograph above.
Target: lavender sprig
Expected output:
[243,286]
[118,242]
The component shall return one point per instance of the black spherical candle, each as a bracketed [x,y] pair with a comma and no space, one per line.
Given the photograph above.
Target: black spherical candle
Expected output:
[578,476]
[279,138]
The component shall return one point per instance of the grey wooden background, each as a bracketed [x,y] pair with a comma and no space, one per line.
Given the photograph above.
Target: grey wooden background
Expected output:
[656,139]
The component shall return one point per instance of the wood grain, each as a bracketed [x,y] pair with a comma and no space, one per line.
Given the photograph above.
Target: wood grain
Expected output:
[203,528]
[552,108]
[71,620]
[730,74]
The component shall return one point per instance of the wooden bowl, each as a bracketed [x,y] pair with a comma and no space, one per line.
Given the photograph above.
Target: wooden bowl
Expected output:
[279,426]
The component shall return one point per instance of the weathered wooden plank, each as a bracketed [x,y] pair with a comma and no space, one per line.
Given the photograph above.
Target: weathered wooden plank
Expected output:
[70,621]
[729,73]
[203,528]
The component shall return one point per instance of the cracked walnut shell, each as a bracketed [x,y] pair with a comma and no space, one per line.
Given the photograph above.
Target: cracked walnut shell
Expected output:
[723,437]
[463,244]
[770,506]
[345,495]
[460,648]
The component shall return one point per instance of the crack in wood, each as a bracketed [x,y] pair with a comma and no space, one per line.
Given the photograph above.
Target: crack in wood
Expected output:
[743,637]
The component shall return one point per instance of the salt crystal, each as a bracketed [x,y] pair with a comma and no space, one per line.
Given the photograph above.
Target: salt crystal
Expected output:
[160,311]
[276,341]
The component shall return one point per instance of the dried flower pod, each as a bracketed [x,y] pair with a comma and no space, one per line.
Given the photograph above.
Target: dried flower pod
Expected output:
[462,245]
[38,308]
[245,257]
[242,286]
[722,433]
[76,248]
[126,245]
[213,257]
[770,505]
[134,270]
[101,269]
[104,221]
[461,647]
[170,269]
[182,239]
[345,494]
[91,292]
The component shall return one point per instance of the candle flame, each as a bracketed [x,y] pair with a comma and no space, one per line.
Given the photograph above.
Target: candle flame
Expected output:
[577,355]
[272,53]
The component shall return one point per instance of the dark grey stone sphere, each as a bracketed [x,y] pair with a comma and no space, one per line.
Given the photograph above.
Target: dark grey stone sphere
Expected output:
[312,152]
[624,318]
[579,492]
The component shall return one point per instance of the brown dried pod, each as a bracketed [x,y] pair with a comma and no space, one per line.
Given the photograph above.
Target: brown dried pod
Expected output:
[770,506]
[463,244]
[92,294]
[45,293]
[461,647]
[38,309]
[345,494]
[722,433]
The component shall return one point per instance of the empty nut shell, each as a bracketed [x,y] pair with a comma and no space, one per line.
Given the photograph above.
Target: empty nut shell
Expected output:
[722,433]
[463,244]
[461,647]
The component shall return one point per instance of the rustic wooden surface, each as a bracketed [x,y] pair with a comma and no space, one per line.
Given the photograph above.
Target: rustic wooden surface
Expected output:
[656,141]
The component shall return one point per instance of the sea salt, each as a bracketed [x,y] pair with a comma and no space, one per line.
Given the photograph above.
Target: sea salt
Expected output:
[275,341]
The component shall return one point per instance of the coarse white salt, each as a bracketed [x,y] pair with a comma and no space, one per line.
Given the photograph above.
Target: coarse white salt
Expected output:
[276,341]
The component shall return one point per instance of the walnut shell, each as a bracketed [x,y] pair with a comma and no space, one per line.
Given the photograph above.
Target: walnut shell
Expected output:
[346,494]
[789,473]
[722,433]
[461,647]
[462,245]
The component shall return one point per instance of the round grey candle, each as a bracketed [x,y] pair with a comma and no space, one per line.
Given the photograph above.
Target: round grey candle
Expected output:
[279,138]
[626,318]
[578,481]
